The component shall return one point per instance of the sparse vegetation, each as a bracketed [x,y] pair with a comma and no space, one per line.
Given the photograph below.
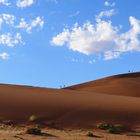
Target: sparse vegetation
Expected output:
[115,129]
[120,128]
[90,134]
[104,126]
[112,130]
[34,131]
[8,122]
[3,128]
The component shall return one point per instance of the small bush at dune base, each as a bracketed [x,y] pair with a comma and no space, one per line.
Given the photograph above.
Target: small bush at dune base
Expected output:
[119,128]
[90,134]
[33,131]
[112,130]
[115,129]
[8,122]
[104,126]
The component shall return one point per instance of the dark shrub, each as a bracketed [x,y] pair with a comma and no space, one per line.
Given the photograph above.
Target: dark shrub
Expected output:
[90,134]
[116,129]
[112,130]
[104,126]
[119,127]
[8,122]
[34,131]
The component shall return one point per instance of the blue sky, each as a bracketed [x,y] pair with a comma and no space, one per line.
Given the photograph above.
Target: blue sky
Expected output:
[53,43]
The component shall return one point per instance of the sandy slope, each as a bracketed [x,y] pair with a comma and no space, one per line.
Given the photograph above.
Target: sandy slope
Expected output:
[124,85]
[53,134]
[67,107]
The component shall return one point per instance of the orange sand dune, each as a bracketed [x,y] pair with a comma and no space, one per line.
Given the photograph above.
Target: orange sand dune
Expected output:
[124,85]
[68,107]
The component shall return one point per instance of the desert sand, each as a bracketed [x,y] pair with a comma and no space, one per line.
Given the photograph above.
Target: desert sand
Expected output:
[55,134]
[114,99]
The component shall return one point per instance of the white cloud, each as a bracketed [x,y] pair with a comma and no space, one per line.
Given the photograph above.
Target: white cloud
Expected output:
[109,4]
[7,19]
[4,56]
[107,13]
[36,23]
[10,40]
[81,60]
[5,2]
[61,38]
[111,54]
[100,38]
[24,3]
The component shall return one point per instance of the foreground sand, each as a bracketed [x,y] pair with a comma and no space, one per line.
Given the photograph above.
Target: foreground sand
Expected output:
[67,134]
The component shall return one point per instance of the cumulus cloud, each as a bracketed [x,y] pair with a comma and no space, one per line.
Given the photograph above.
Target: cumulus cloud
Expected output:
[61,38]
[24,3]
[10,40]
[28,27]
[100,38]
[109,4]
[5,2]
[7,19]
[4,56]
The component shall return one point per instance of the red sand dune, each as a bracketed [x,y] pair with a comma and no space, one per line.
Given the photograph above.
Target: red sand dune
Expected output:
[71,107]
[124,85]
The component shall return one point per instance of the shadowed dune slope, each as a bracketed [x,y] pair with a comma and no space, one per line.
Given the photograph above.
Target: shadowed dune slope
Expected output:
[67,107]
[124,85]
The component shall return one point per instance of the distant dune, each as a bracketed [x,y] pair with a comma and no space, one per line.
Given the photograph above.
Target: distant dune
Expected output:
[124,85]
[114,99]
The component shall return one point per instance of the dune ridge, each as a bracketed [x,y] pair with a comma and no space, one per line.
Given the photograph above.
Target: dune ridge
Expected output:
[124,85]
